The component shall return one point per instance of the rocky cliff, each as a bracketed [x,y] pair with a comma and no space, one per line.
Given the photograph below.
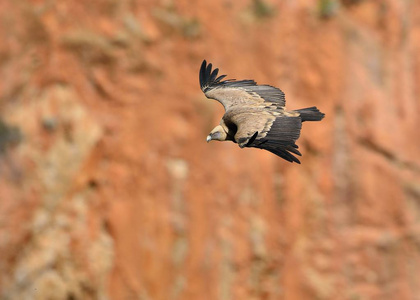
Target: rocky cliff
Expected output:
[108,189]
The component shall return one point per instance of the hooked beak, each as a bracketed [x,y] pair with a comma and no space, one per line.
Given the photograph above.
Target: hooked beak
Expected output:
[208,138]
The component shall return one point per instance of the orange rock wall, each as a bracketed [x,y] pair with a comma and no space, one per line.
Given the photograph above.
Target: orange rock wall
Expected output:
[108,189]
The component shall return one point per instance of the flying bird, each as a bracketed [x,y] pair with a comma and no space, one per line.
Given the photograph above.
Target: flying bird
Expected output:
[255,115]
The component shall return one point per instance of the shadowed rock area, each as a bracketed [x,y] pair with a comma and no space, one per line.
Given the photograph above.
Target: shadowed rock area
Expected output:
[108,189]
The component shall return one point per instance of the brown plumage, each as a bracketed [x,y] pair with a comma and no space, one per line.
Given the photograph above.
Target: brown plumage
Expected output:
[255,114]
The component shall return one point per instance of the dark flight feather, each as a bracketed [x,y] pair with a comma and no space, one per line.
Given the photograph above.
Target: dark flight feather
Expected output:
[252,139]
[214,75]
[208,71]
[219,78]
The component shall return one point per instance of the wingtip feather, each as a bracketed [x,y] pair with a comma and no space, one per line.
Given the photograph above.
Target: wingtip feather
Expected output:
[202,74]
[208,78]
[214,75]
[208,70]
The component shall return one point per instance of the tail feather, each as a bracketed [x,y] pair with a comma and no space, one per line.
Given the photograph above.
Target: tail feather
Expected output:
[310,114]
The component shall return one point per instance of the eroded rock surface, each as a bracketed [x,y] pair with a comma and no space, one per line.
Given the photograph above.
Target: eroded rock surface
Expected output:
[108,189]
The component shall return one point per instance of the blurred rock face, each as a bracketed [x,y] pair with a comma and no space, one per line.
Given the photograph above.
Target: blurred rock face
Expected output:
[108,189]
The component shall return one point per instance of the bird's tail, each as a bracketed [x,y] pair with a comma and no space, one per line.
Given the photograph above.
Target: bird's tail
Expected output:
[310,114]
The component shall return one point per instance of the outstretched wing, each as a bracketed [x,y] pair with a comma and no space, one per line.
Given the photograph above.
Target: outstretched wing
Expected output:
[270,131]
[244,92]
[281,138]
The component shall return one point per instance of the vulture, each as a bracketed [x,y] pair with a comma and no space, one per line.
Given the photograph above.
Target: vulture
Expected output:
[255,115]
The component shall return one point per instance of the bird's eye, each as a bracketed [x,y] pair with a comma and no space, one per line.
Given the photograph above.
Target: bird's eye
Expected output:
[215,135]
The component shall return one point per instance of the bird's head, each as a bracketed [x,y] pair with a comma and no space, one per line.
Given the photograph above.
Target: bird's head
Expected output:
[217,134]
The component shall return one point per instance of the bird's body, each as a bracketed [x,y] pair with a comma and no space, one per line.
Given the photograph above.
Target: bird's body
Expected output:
[255,114]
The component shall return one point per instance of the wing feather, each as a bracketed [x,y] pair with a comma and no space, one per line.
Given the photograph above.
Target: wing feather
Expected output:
[208,70]
[243,92]
[213,75]
[281,137]
[276,134]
